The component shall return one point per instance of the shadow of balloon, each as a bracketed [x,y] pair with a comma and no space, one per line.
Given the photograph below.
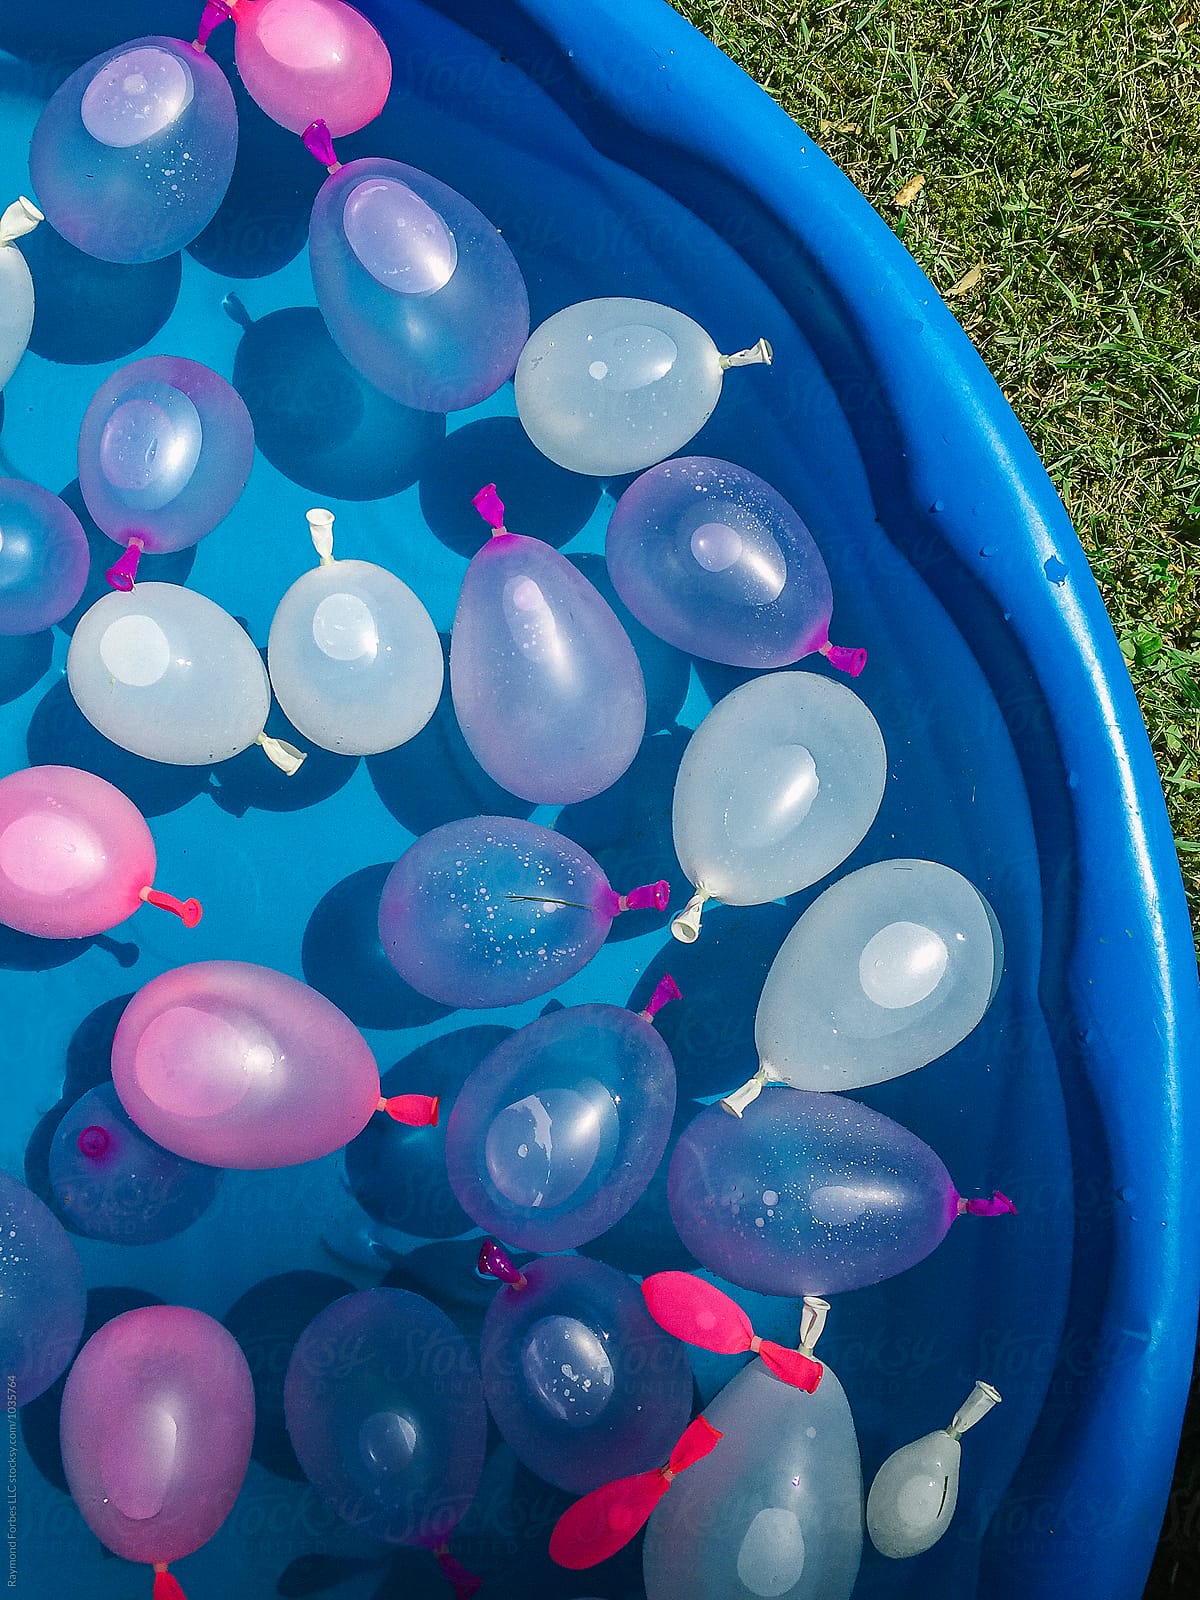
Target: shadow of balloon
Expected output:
[251,781]
[267,1321]
[88,1064]
[24,658]
[666,670]
[40,1417]
[314,1574]
[540,498]
[88,310]
[645,1239]
[344,960]
[316,420]
[398,1174]
[445,1272]
[174,567]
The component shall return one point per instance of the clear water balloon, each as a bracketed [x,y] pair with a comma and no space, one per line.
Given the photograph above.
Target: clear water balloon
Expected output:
[420,292]
[236,1065]
[354,658]
[713,560]
[165,673]
[76,856]
[777,786]
[583,1384]
[111,1182]
[559,1130]
[16,285]
[156,1428]
[165,450]
[886,971]
[385,1411]
[915,1492]
[42,1298]
[304,60]
[777,1509]
[810,1194]
[44,557]
[611,386]
[547,688]
[492,911]
[134,152]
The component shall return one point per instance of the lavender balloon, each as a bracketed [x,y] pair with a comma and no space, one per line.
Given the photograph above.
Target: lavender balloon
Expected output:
[583,1383]
[810,1194]
[16,285]
[385,1411]
[420,292]
[134,152]
[44,557]
[157,1424]
[709,557]
[492,911]
[111,1182]
[165,450]
[560,1129]
[238,1066]
[41,1292]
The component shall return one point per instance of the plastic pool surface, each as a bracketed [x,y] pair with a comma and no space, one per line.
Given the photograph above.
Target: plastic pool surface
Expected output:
[621,154]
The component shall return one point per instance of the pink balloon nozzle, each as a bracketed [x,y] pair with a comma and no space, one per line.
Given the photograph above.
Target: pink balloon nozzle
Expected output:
[214,14]
[466,1583]
[189,912]
[416,1110]
[490,507]
[648,896]
[665,991]
[998,1206]
[850,660]
[93,1142]
[123,574]
[495,1262]
[318,141]
[166,1587]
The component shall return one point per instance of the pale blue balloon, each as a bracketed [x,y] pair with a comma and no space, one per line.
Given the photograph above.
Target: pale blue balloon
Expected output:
[44,558]
[16,286]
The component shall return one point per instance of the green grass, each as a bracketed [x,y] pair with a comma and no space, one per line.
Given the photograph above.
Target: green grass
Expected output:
[1060,145]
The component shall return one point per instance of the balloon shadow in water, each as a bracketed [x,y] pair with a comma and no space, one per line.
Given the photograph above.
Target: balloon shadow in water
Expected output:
[434,778]
[24,658]
[40,1417]
[88,310]
[645,1239]
[540,499]
[666,670]
[314,1574]
[316,420]
[267,1321]
[397,1173]
[173,567]
[446,1273]
[344,959]
[251,781]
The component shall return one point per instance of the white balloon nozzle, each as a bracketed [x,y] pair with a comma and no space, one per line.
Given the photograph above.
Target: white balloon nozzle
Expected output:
[976,1406]
[686,926]
[758,355]
[285,756]
[812,1322]
[320,528]
[737,1102]
[18,219]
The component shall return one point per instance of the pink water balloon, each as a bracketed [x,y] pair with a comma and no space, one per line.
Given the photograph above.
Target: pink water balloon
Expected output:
[236,1065]
[157,1424]
[76,856]
[309,60]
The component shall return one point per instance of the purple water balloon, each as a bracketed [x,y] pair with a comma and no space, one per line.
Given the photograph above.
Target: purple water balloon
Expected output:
[713,560]
[583,1383]
[157,1424]
[43,558]
[41,1292]
[385,1411]
[165,449]
[810,1193]
[559,1130]
[491,911]
[547,689]
[236,1065]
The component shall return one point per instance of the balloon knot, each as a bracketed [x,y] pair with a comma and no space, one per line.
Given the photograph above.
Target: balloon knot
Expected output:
[755,1344]
[318,141]
[490,507]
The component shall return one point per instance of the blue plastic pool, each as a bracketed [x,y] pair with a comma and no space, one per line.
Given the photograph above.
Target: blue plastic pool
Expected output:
[621,154]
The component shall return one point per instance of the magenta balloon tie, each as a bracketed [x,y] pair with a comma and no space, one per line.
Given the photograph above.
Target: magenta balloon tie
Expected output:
[490,507]
[998,1206]
[466,1583]
[665,991]
[214,14]
[495,1262]
[93,1142]
[318,141]
[189,912]
[123,574]
[648,896]
[850,660]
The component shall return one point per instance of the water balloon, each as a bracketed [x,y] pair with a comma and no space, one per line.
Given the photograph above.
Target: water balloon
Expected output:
[701,1314]
[385,1411]
[559,1130]
[165,449]
[44,556]
[304,60]
[16,285]
[236,1065]
[157,1424]
[547,689]
[810,1194]
[41,1292]
[582,1383]
[713,560]
[111,1182]
[134,152]
[778,784]
[354,659]
[76,856]
[915,1492]
[166,674]
[419,291]
[491,911]
[611,386]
